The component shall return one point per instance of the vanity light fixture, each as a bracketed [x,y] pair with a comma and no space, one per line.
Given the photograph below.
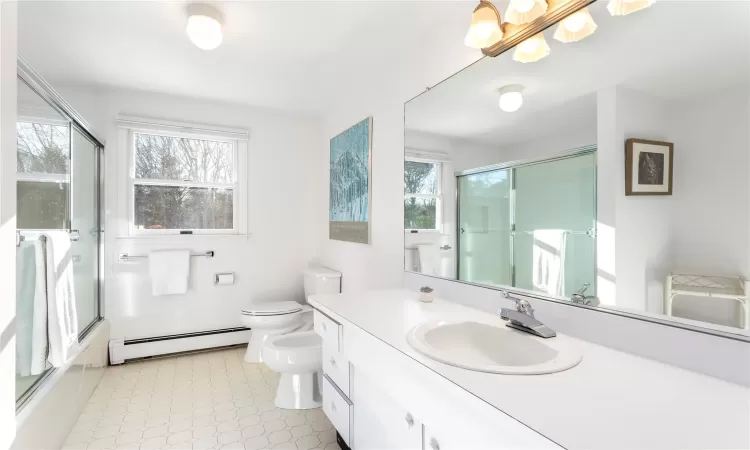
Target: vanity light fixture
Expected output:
[529,50]
[625,7]
[511,98]
[521,12]
[575,27]
[204,26]
[485,29]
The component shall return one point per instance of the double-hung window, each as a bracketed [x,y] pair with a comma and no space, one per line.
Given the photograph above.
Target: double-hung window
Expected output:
[42,173]
[422,195]
[185,182]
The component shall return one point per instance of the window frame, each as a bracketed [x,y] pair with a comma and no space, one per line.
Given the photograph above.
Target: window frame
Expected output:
[130,127]
[31,117]
[438,197]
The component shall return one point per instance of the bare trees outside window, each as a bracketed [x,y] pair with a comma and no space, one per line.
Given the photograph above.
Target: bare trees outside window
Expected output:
[182,183]
[421,195]
[43,166]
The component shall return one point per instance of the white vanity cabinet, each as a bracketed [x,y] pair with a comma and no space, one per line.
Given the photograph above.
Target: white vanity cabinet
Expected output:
[377,397]
[380,422]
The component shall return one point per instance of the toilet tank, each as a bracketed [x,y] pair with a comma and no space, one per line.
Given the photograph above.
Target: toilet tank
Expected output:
[320,280]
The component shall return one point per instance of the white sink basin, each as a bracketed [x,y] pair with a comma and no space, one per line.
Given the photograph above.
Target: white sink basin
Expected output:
[488,348]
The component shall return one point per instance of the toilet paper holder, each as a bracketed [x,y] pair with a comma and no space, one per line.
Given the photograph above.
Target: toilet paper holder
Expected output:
[228,278]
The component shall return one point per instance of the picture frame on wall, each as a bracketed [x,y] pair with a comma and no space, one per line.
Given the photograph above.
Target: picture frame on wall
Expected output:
[350,188]
[648,167]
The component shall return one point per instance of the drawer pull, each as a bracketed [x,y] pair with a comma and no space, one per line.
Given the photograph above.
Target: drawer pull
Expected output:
[434,444]
[333,362]
[333,407]
[323,324]
[409,420]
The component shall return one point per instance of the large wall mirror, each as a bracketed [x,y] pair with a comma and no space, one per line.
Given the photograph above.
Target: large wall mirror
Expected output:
[614,172]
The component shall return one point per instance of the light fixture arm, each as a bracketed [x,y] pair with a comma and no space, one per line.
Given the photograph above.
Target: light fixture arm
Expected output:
[558,10]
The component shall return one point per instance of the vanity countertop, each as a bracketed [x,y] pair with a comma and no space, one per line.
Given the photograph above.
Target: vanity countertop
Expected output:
[610,400]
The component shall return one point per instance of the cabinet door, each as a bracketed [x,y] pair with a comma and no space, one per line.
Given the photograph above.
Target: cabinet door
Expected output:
[380,422]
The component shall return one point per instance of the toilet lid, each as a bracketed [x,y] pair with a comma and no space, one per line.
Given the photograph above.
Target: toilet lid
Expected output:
[272,309]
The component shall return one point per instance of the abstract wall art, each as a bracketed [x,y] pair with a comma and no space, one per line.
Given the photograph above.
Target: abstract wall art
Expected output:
[350,192]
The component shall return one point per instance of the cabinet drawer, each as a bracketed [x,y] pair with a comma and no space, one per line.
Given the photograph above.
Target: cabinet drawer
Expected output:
[336,366]
[328,329]
[337,408]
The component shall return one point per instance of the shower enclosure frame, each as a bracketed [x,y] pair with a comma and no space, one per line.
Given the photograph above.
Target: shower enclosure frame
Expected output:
[510,166]
[40,87]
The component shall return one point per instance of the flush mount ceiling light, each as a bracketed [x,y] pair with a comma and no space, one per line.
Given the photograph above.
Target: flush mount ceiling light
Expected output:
[520,12]
[204,26]
[485,26]
[511,98]
[532,49]
[576,26]
[625,7]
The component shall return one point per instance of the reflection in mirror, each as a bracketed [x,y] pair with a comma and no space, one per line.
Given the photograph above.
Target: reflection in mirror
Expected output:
[621,180]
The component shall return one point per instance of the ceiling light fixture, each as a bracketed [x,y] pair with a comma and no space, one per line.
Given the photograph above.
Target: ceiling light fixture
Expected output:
[575,27]
[532,49]
[204,26]
[521,12]
[625,7]
[484,30]
[511,98]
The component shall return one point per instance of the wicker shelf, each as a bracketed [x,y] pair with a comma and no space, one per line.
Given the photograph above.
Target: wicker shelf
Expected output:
[708,286]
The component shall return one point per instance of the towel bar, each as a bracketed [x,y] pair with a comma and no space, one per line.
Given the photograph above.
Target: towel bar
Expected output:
[125,256]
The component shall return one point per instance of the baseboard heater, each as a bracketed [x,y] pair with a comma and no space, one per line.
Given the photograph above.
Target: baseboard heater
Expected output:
[122,350]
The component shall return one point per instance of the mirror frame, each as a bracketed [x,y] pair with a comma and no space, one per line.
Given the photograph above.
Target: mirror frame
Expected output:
[557,13]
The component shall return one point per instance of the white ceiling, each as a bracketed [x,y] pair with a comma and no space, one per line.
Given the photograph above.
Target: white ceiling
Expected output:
[286,55]
[673,50]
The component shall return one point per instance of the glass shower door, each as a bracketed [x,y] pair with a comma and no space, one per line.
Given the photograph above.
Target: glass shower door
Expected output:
[84,224]
[484,250]
[43,203]
[555,219]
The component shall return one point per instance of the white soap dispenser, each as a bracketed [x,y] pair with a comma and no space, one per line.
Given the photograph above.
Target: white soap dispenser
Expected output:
[425,294]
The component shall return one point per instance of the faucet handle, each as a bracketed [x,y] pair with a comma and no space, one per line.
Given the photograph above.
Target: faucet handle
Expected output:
[584,286]
[522,305]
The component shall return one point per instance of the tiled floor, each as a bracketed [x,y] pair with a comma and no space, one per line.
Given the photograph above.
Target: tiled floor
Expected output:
[203,401]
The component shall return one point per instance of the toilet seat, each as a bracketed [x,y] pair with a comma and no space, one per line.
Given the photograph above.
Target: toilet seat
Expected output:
[298,352]
[272,309]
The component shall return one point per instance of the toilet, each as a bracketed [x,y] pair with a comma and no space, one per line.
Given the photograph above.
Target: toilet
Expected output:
[282,337]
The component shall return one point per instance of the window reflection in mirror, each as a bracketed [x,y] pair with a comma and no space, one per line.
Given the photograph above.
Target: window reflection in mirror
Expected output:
[538,200]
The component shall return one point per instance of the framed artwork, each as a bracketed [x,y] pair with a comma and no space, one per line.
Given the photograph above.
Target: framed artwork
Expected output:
[648,167]
[350,192]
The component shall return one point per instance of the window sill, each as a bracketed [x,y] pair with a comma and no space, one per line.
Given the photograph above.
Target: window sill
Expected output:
[182,236]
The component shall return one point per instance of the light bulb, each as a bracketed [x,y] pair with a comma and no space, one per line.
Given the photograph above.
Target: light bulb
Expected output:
[575,27]
[575,22]
[625,7]
[529,45]
[511,98]
[485,27]
[204,27]
[523,6]
[532,49]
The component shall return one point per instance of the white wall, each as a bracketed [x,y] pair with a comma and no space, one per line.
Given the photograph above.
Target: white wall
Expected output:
[268,265]
[642,222]
[8,45]
[710,215]
[702,228]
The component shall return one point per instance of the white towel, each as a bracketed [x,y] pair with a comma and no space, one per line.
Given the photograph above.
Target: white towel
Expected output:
[31,309]
[62,320]
[169,271]
[548,258]
[429,259]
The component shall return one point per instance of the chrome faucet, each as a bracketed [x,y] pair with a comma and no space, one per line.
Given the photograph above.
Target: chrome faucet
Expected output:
[583,299]
[523,318]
